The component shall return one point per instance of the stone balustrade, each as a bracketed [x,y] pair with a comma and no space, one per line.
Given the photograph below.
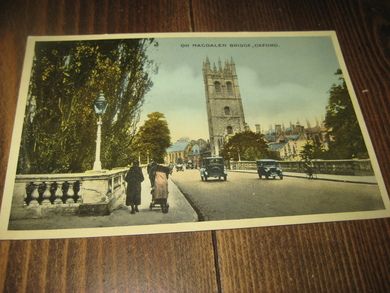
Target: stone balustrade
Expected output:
[357,167]
[90,193]
[243,165]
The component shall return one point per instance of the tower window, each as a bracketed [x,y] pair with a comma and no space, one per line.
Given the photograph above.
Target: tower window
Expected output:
[217,87]
[226,110]
[229,130]
[229,88]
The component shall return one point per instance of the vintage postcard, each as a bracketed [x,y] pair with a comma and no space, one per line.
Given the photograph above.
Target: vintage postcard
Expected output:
[154,133]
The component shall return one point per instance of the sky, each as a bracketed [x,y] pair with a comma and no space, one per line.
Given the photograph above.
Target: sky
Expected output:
[281,80]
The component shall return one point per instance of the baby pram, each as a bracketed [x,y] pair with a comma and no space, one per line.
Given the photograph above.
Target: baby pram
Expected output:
[160,189]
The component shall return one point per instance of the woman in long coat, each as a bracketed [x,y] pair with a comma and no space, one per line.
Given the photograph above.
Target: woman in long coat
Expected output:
[134,177]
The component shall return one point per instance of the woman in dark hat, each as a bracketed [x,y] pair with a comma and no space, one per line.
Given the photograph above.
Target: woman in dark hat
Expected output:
[134,177]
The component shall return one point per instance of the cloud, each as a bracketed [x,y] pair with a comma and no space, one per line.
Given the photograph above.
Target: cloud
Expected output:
[282,102]
[179,94]
[277,86]
[177,89]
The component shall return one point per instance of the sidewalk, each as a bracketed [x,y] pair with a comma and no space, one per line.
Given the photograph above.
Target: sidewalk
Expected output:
[328,177]
[179,211]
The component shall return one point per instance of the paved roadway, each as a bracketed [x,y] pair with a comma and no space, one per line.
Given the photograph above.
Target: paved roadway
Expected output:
[246,196]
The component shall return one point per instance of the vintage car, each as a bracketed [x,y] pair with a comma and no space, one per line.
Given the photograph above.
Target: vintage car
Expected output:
[189,165]
[179,167]
[213,167]
[269,168]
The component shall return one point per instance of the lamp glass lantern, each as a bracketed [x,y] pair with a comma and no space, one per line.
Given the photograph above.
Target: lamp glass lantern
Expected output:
[100,106]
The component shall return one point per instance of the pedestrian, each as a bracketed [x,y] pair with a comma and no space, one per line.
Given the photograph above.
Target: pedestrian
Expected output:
[151,169]
[309,169]
[160,190]
[134,177]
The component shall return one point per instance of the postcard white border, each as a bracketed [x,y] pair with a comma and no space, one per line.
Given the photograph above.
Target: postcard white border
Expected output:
[177,227]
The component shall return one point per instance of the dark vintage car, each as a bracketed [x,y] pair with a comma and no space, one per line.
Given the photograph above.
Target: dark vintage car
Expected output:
[190,165]
[213,167]
[179,165]
[269,168]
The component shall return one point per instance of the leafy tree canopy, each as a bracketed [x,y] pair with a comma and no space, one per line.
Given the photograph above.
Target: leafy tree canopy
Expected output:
[153,137]
[312,151]
[341,119]
[246,146]
[59,130]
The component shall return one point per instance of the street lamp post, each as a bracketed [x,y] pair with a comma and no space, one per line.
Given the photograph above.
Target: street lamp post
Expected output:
[100,106]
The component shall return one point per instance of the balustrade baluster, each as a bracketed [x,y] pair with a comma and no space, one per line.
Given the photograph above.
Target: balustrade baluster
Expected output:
[110,186]
[76,190]
[65,189]
[53,190]
[70,194]
[34,195]
[30,187]
[46,194]
[41,190]
[58,194]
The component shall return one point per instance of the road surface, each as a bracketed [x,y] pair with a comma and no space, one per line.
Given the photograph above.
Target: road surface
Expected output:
[246,196]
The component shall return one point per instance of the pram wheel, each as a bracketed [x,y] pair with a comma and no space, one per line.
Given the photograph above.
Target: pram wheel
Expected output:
[165,208]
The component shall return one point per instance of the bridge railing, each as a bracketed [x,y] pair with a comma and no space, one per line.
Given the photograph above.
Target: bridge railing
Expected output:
[41,195]
[357,167]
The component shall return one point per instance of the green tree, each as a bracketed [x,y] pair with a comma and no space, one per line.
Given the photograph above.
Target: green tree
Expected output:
[59,130]
[245,145]
[341,119]
[153,137]
[312,151]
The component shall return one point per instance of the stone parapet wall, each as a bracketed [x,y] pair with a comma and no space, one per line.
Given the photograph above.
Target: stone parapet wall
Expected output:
[89,193]
[242,165]
[337,167]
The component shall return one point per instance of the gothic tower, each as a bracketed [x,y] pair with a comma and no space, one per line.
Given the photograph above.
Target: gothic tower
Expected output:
[224,106]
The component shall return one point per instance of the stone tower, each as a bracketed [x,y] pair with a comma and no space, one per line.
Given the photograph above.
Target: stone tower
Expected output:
[224,106]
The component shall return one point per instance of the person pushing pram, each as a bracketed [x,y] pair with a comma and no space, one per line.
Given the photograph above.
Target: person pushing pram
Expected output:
[158,175]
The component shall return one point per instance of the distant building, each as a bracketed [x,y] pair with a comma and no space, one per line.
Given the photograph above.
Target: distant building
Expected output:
[177,151]
[288,142]
[185,149]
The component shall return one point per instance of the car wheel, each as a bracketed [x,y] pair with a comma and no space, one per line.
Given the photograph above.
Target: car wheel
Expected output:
[281,177]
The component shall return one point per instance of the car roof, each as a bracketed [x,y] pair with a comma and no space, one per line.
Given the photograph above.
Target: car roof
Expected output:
[266,160]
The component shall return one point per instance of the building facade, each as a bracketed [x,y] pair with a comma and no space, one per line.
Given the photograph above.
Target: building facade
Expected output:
[177,152]
[223,100]
[289,142]
[185,150]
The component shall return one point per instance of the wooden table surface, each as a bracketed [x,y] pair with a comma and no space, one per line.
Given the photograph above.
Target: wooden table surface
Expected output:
[327,257]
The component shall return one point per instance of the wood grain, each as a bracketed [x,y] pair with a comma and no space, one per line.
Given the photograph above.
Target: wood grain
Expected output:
[168,263]
[331,257]
[327,257]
